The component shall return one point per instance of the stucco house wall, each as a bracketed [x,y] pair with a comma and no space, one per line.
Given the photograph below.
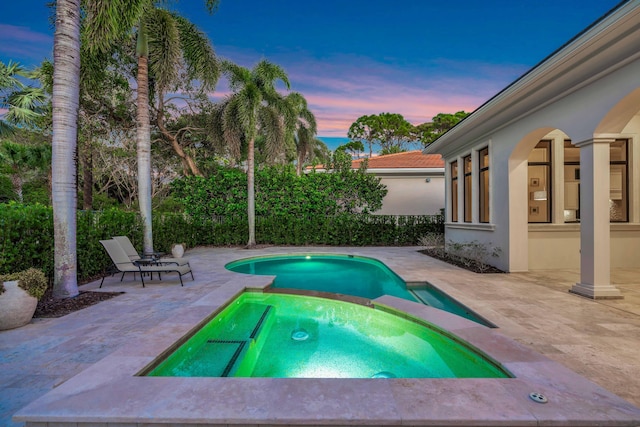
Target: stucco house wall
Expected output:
[415,182]
[412,195]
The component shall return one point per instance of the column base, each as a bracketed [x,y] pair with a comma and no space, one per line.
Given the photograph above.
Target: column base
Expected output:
[596,292]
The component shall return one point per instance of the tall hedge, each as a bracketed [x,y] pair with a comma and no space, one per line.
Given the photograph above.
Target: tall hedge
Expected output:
[279,191]
[26,233]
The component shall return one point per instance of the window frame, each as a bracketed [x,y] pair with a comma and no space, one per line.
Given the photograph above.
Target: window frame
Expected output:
[626,183]
[549,187]
[468,190]
[454,194]
[482,172]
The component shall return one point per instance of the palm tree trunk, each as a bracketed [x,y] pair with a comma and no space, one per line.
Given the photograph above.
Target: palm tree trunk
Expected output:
[251,198]
[16,182]
[301,156]
[143,140]
[66,91]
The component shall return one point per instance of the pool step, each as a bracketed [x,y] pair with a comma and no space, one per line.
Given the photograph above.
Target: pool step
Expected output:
[435,298]
[251,318]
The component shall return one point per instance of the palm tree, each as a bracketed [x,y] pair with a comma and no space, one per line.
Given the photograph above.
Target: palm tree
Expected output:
[254,106]
[305,128]
[66,89]
[165,43]
[23,103]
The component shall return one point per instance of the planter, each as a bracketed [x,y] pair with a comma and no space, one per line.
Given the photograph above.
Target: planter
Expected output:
[177,250]
[16,306]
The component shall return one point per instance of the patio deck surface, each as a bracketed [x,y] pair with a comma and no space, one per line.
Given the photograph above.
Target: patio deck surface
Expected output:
[597,339]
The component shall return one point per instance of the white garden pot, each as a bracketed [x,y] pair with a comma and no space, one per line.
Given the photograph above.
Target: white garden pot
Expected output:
[16,306]
[177,250]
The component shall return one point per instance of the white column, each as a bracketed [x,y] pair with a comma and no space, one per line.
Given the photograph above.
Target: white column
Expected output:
[595,253]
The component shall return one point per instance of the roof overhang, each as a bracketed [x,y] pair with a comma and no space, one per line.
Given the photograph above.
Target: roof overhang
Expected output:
[606,46]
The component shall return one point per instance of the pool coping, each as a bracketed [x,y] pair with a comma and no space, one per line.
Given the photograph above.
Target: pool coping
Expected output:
[109,392]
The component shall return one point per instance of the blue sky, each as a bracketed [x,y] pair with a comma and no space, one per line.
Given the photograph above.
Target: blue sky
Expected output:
[355,57]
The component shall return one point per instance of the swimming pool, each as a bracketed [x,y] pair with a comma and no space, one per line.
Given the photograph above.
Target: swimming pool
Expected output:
[294,336]
[339,274]
[349,275]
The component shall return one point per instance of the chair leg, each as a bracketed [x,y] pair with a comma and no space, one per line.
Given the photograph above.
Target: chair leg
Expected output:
[180,276]
[122,278]
[102,281]
[192,278]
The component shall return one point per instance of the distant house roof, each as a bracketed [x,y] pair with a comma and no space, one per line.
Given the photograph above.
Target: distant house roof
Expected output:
[407,160]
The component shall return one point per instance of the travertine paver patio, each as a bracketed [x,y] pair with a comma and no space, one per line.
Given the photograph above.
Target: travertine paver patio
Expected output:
[596,339]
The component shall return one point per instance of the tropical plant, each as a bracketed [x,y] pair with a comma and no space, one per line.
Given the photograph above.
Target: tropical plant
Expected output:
[254,106]
[23,104]
[305,128]
[159,48]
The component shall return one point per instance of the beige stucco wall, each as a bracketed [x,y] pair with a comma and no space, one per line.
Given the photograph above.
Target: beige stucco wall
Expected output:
[413,195]
[558,247]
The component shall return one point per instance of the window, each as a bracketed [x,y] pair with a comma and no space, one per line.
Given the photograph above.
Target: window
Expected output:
[454,191]
[618,172]
[618,186]
[483,156]
[571,182]
[539,182]
[467,188]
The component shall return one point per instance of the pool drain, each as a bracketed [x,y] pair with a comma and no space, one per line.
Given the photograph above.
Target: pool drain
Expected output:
[299,334]
[383,374]
[538,397]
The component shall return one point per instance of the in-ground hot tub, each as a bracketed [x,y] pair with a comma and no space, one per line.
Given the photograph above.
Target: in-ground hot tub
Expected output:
[294,336]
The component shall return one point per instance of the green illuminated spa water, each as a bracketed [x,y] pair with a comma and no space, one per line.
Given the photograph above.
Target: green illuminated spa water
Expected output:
[280,335]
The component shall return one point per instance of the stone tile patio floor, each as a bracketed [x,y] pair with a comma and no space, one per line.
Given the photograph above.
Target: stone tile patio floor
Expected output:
[597,339]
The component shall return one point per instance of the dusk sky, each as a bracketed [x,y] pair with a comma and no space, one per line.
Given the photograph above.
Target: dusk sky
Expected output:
[355,57]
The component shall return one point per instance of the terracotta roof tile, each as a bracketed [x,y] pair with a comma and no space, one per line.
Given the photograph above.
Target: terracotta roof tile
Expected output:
[408,159]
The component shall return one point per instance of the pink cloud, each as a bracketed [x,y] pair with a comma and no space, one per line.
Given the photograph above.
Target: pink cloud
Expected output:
[22,42]
[341,88]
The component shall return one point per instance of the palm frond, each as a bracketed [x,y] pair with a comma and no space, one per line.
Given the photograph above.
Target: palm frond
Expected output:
[198,53]
[266,74]
[106,21]
[8,73]
[238,76]
[272,127]
[164,46]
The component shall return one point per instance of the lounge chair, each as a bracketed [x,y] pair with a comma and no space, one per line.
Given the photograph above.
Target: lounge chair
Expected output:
[123,264]
[133,255]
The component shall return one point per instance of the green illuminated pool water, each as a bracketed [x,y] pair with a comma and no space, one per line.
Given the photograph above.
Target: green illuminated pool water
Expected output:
[348,275]
[341,274]
[280,335]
